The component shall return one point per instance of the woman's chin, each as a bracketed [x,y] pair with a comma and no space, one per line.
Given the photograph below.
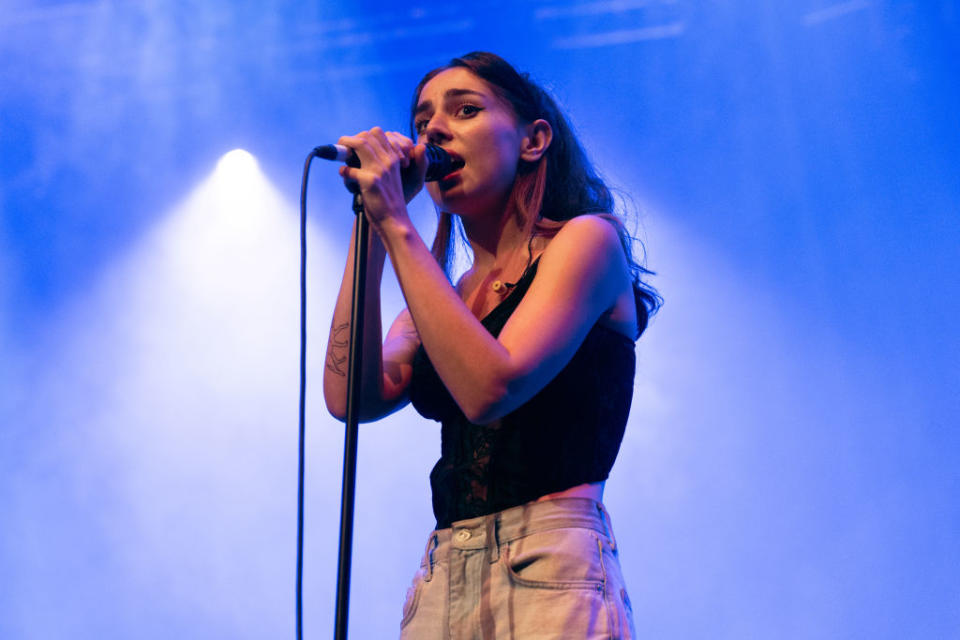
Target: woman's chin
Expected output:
[448,186]
[452,197]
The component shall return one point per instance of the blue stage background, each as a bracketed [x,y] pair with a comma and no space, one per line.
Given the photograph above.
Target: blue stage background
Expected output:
[791,468]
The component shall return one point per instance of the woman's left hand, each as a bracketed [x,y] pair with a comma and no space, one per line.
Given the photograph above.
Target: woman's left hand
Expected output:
[391,172]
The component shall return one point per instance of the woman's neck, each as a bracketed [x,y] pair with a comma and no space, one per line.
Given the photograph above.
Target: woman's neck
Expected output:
[500,249]
[495,242]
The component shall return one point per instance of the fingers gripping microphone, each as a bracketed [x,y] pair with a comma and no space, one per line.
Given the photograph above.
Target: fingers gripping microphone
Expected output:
[439,162]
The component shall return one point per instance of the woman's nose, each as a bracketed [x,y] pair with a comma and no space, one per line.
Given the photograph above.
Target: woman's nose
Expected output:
[436,130]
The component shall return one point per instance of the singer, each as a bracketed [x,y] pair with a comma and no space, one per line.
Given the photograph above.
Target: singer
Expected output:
[527,361]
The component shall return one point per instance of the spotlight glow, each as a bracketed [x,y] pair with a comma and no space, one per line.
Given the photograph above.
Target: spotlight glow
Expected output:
[236,192]
[237,164]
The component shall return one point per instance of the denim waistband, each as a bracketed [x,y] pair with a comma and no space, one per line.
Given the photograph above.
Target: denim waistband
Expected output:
[490,531]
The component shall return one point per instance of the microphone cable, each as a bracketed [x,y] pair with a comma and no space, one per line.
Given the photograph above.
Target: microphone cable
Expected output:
[303,388]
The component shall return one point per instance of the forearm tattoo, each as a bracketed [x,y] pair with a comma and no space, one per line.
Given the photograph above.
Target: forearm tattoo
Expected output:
[337,349]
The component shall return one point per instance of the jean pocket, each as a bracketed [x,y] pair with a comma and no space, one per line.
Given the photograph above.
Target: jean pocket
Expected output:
[556,559]
[413,598]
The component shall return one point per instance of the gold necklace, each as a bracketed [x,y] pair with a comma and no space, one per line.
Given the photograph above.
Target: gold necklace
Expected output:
[503,288]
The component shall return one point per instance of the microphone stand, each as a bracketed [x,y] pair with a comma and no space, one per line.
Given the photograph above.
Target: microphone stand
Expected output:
[347,498]
[439,164]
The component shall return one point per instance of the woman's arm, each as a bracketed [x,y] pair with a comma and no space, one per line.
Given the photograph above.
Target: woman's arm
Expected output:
[385,373]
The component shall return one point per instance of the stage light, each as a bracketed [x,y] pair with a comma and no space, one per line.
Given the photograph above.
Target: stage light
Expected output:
[235,196]
[237,164]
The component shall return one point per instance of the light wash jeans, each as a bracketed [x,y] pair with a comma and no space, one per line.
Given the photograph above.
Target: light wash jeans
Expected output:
[543,570]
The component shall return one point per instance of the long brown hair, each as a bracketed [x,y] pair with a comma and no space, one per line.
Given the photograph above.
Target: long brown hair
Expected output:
[559,186]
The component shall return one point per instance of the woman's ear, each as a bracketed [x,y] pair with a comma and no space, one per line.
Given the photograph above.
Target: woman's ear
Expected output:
[538,136]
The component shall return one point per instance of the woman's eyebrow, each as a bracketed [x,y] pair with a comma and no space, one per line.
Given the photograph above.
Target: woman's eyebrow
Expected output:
[426,105]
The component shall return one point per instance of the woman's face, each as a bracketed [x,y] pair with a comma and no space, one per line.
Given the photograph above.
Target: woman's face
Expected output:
[459,111]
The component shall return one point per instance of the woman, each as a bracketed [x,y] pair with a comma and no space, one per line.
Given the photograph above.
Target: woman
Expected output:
[528,361]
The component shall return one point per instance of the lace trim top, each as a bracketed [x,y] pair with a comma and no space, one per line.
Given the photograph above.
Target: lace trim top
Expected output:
[567,434]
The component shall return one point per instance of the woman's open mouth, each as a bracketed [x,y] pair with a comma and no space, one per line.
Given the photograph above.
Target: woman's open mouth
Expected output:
[456,163]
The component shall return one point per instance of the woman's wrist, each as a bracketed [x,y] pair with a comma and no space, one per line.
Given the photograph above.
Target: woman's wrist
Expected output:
[396,230]
[376,248]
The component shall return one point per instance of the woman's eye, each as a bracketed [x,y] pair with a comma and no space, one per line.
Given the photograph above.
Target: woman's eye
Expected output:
[419,126]
[468,110]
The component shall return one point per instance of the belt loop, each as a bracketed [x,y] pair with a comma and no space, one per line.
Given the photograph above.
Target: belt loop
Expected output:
[432,544]
[493,545]
[605,517]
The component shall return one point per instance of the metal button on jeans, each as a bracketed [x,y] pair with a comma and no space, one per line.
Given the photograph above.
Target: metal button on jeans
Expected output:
[463,535]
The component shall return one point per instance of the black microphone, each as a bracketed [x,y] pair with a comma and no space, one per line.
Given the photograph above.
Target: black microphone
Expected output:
[439,162]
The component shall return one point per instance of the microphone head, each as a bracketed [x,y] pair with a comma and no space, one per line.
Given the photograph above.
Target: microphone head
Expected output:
[439,163]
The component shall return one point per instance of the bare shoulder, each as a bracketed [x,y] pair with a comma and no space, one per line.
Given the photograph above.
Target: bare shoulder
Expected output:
[586,240]
[586,263]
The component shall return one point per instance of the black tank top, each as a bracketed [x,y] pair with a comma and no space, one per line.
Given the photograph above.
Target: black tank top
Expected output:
[567,434]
